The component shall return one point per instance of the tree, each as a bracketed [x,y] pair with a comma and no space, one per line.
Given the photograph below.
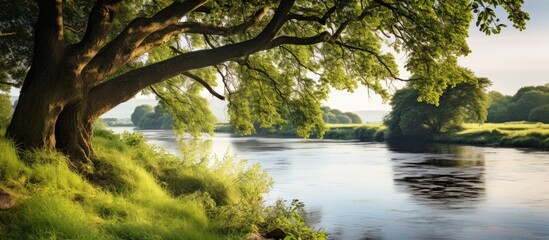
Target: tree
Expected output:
[337,116]
[157,119]
[539,114]
[498,111]
[89,56]
[525,102]
[354,117]
[412,119]
[139,112]
[343,119]
[519,106]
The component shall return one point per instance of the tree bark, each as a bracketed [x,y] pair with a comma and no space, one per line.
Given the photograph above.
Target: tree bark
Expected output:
[74,132]
[65,92]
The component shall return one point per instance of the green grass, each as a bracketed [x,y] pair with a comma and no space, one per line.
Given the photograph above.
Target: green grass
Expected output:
[512,134]
[361,132]
[138,192]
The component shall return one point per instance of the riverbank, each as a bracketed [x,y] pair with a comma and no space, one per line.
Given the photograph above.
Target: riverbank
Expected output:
[362,132]
[514,134]
[136,191]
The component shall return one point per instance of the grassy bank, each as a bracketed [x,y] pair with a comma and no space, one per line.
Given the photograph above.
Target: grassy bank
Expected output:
[139,192]
[514,134]
[361,132]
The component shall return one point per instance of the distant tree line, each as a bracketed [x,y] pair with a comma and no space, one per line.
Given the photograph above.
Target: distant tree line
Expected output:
[337,116]
[148,117]
[528,104]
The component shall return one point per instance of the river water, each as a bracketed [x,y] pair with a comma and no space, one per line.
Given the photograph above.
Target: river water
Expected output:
[358,190]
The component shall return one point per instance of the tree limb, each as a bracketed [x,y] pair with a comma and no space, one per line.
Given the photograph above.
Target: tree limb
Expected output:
[321,37]
[9,84]
[162,36]
[376,56]
[322,20]
[119,51]
[205,84]
[99,23]
[5,34]
[108,94]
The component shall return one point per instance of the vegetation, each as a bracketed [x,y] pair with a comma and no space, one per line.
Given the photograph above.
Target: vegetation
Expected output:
[5,109]
[335,116]
[361,132]
[115,122]
[528,104]
[85,57]
[512,134]
[146,117]
[411,119]
[139,192]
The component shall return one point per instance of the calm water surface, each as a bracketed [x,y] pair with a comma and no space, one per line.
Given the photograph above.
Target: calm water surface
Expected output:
[373,191]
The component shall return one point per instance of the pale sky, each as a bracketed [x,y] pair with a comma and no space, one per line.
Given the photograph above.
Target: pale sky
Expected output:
[511,60]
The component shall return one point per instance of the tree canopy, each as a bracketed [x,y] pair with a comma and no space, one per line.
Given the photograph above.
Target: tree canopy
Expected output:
[521,106]
[332,115]
[146,117]
[271,57]
[412,119]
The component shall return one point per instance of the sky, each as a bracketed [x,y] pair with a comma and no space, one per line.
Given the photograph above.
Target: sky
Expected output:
[511,60]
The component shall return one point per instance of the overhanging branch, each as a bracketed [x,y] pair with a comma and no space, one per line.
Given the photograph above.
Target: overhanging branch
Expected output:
[380,60]
[205,84]
[121,88]
[121,50]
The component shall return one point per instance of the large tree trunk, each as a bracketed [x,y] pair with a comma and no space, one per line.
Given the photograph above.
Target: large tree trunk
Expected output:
[65,92]
[74,132]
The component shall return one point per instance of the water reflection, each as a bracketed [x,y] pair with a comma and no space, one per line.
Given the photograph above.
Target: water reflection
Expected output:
[261,145]
[440,175]
[374,191]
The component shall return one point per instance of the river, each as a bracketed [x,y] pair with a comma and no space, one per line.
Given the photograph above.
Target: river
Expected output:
[357,190]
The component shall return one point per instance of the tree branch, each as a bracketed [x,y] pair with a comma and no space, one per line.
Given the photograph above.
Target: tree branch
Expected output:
[49,29]
[9,84]
[99,23]
[119,89]
[5,34]
[321,37]
[119,51]
[322,20]
[376,56]
[162,36]
[205,84]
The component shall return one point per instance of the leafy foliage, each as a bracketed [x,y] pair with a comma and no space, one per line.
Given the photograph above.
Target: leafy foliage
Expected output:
[139,112]
[520,106]
[321,45]
[147,117]
[6,109]
[335,116]
[539,114]
[412,119]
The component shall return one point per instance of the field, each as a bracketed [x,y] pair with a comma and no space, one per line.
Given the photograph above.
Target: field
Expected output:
[512,134]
